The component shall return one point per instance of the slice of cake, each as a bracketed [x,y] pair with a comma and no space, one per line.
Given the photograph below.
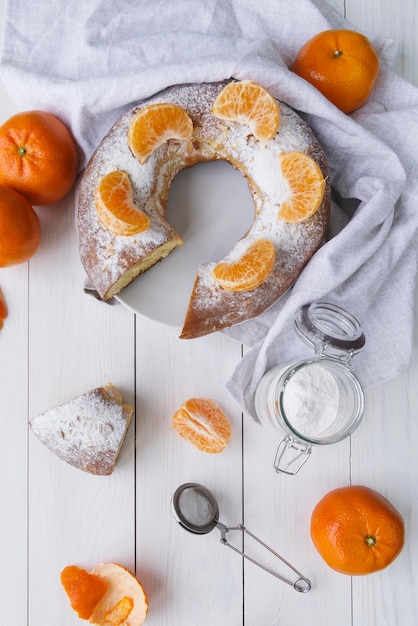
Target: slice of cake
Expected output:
[88,431]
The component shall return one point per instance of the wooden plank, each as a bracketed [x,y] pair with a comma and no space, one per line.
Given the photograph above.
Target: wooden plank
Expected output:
[14,462]
[338,5]
[57,343]
[76,344]
[277,509]
[396,22]
[190,579]
[384,457]
[14,283]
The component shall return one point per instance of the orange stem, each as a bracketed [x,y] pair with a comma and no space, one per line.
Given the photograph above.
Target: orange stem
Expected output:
[370,540]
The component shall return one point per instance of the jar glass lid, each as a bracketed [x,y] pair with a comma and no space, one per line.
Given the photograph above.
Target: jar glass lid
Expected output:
[322,324]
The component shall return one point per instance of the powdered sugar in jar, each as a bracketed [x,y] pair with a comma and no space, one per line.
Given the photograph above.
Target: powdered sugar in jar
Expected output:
[316,401]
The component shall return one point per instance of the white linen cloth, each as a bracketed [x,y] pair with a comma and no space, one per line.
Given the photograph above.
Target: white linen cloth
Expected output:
[87,61]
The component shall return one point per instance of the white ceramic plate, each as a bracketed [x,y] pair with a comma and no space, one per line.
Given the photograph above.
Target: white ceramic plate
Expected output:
[211,207]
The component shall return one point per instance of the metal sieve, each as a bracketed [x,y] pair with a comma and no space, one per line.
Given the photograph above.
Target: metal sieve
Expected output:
[196,509]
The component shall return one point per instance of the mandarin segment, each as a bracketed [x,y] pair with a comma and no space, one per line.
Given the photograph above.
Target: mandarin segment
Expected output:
[250,270]
[156,124]
[306,186]
[356,530]
[247,102]
[115,206]
[119,613]
[83,589]
[201,422]
[124,600]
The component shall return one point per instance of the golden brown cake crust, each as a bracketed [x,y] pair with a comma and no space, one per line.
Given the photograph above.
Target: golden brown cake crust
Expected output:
[112,262]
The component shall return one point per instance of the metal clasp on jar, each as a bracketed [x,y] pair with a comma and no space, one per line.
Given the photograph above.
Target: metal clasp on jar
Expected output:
[291,455]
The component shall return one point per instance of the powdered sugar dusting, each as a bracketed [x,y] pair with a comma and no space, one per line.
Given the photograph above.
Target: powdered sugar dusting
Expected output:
[87,431]
[106,256]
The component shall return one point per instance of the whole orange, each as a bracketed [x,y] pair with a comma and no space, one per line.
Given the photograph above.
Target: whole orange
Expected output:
[342,65]
[38,156]
[20,230]
[356,530]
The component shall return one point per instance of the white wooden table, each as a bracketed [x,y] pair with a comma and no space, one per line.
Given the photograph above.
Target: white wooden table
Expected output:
[58,343]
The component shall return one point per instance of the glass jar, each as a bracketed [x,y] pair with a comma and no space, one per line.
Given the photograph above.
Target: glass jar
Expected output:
[315,401]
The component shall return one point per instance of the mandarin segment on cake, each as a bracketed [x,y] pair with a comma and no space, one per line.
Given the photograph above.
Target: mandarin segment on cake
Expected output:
[115,206]
[249,270]
[156,124]
[112,261]
[306,187]
[247,102]
[87,431]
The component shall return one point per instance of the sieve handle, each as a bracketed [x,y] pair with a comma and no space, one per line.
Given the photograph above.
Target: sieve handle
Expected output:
[300,583]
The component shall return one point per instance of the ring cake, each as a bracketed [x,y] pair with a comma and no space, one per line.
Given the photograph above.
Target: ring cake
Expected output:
[112,261]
